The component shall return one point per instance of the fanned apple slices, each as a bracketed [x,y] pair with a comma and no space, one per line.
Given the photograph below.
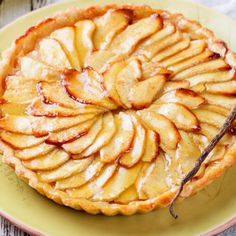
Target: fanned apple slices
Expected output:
[109,108]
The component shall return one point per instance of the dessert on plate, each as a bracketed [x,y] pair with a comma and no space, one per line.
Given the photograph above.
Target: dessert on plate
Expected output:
[106,109]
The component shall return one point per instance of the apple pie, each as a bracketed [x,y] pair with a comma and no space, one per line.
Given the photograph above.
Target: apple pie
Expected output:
[106,109]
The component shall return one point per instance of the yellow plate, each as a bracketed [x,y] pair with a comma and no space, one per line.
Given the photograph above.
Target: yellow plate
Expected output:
[209,209]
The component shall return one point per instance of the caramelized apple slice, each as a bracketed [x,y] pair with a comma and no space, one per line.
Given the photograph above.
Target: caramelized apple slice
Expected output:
[51,53]
[92,187]
[104,137]
[224,88]
[49,161]
[20,141]
[86,88]
[121,181]
[169,135]
[70,134]
[127,196]
[66,37]
[182,117]
[151,148]
[84,30]
[108,26]
[128,39]
[83,177]
[221,110]
[132,157]
[83,142]
[36,151]
[183,96]
[66,170]
[122,139]
[19,89]
[177,84]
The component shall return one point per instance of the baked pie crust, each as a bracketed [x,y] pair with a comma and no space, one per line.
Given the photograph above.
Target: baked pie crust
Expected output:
[105,109]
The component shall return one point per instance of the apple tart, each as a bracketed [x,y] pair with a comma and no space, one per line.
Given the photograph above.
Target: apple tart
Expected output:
[106,109]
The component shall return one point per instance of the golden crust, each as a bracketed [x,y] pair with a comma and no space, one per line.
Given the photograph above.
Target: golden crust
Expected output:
[26,43]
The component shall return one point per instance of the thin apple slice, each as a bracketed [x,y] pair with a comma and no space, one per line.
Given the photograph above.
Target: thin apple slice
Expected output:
[83,142]
[36,70]
[127,40]
[83,177]
[36,151]
[129,195]
[178,84]
[44,125]
[122,180]
[51,53]
[215,76]
[218,64]
[186,97]
[66,37]
[92,187]
[224,88]
[151,148]
[195,48]
[70,134]
[180,115]
[169,135]
[20,141]
[66,170]
[109,80]
[144,92]
[108,26]
[49,161]
[221,110]
[126,80]
[19,89]
[132,157]
[104,137]
[220,100]
[86,88]
[84,30]
[210,117]
[122,139]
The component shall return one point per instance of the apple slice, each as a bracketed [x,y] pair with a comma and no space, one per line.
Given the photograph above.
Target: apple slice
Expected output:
[132,157]
[83,142]
[19,89]
[180,115]
[36,70]
[144,92]
[218,64]
[49,161]
[68,169]
[178,84]
[70,134]
[44,125]
[210,117]
[21,141]
[224,88]
[92,187]
[83,177]
[51,53]
[127,40]
[169,135]
[108,26]
[36,151]
[186,97]
[195,48]
[84,30]
[109,80]
[104,137]
[121,180]
[221,110]
[215,76]
[121,141]
[66,37]
[126,80]
[220,100]
[86,88]
[129,195]
[151,148]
